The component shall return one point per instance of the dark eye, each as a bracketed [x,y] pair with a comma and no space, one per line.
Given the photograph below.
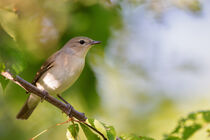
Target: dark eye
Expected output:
[81,41]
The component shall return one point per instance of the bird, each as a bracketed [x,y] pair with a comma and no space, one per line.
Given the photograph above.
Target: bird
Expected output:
[59,72]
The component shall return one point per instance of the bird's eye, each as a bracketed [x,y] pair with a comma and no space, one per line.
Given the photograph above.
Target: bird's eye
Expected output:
[81,41]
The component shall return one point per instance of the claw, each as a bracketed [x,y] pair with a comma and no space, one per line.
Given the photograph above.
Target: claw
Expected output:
[44,97]
[69,109]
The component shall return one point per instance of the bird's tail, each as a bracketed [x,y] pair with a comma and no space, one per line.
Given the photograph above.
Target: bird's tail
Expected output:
[29,106]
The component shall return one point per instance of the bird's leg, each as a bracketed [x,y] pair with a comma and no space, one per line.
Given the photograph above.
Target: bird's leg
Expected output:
[45,94]
[68,105]
[62,99]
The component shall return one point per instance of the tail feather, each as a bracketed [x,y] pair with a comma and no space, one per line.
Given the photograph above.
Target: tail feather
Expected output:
[28,107]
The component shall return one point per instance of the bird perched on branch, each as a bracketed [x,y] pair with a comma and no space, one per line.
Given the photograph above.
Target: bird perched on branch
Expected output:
[59,72]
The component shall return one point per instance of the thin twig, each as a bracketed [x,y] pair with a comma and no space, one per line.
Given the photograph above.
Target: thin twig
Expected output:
[70,119]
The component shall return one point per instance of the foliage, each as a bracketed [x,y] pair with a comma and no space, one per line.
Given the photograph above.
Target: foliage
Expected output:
[80,129]
[186,128]
[11,58]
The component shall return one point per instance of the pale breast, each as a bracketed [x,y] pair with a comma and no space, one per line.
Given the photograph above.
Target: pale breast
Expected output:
[62,75]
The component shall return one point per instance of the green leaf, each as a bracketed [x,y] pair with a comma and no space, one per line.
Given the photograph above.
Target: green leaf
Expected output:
[91,122]
[192,116]
[111,134]
[106,130]
[11,57]
[173,138]
[2,67]
[134,137]
[85,132]
[3,82]
[177,129]
[73,129]
[190,130]
[8,20]
[189,126]
[90,135]
[206,116]
[99,126]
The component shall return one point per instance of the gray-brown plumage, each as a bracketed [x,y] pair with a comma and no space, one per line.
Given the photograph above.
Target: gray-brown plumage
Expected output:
[59,72]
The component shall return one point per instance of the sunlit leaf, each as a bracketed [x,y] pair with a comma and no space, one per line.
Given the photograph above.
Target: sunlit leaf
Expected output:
[190,130]
[8,20]
[206,116]
[111,134]
[192,116]
[100,127]
[189,126]
[106,130]
[90,135]
[73,129]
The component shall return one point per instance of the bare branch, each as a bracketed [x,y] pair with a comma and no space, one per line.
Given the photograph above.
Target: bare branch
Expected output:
[44,95]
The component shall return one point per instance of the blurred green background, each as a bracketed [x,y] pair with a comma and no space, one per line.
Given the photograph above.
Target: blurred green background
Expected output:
[151,69]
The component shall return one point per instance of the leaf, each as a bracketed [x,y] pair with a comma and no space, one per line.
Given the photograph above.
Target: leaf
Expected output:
[206,116]
[190,130]
[90,135]
[8,20]
[173,138]
[91,122]
[134,137]
[99,126]
[73,129]
[189,126]
[106,130]
[2,67]
[3,82]
[11,57]
[111,134]
[192,116]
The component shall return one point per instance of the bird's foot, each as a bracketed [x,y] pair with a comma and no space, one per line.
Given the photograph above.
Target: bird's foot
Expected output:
[45,95]
[69,109]
[67,104]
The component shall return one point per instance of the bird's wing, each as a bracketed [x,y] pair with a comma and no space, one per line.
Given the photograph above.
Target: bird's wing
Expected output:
[46,66]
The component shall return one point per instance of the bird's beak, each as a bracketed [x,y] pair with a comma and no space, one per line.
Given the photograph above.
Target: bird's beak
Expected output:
[95,42]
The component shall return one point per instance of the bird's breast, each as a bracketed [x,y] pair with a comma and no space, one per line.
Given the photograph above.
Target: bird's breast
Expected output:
[62,75]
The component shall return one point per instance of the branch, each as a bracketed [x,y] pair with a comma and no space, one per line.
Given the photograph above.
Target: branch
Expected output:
[44,95]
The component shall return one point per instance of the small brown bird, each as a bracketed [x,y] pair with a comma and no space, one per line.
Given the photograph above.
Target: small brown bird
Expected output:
[59,72]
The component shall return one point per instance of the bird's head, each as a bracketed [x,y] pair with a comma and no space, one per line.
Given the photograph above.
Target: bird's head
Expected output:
[81,45]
